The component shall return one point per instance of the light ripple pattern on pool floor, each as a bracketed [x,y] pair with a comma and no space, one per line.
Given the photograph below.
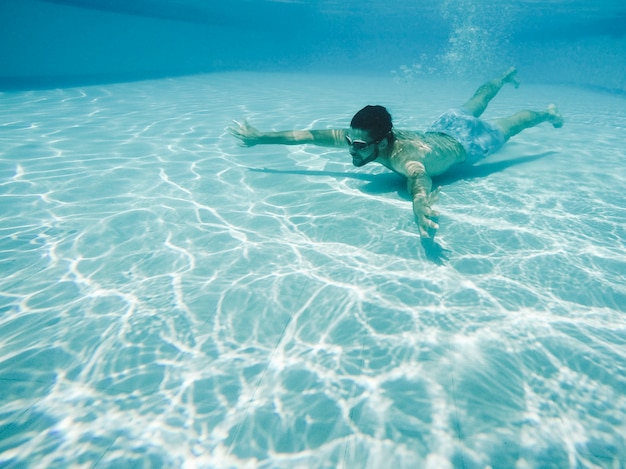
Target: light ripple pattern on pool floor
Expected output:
[172,299]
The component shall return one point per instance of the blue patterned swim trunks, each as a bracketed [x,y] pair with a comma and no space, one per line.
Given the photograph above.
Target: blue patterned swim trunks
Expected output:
[479,138]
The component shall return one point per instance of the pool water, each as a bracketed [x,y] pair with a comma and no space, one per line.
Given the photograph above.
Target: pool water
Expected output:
[172,299]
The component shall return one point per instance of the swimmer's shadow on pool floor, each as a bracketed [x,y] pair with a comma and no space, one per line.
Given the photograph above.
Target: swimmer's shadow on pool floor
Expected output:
[383,183]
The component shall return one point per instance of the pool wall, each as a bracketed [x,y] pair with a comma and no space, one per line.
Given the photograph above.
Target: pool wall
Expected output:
[62,42]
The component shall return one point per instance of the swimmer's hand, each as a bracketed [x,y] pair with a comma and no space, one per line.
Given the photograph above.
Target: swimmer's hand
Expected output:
[248,135]
[424,214]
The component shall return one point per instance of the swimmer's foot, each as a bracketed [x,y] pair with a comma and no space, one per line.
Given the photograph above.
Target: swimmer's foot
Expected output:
[556,119]
[509,77]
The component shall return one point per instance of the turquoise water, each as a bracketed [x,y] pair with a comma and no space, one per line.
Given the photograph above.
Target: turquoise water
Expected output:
[170,299]
[62,43]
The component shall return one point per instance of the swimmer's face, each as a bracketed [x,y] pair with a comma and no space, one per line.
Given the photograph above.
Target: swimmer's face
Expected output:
[363,148]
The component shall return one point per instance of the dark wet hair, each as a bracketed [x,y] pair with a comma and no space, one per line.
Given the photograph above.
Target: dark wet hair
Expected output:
[374,119]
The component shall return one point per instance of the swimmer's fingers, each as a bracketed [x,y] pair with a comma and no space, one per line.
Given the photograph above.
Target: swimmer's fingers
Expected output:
[424,220]
[239,129]
[427,230]
[245,127]
[426,226]
[235,130]
[430,213]
[431,199]
[243,131]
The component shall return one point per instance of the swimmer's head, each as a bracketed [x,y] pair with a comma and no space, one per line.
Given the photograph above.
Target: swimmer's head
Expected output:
[370,132]
[375,120]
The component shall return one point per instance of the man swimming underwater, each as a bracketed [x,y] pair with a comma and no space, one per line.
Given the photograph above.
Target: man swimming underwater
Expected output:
[458,136]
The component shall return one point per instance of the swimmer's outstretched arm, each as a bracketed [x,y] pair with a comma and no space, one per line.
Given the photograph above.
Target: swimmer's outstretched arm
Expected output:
[251,136]
[420,185]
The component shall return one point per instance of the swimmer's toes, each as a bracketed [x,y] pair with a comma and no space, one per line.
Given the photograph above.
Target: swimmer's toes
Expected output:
[509,77]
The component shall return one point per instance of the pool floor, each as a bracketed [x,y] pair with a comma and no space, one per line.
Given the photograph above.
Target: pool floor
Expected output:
[172,299]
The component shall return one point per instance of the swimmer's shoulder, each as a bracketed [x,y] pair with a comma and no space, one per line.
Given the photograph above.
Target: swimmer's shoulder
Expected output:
[408,135]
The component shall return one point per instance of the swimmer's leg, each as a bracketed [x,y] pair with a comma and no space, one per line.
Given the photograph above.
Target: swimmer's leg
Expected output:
[514,124]
[478,103]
